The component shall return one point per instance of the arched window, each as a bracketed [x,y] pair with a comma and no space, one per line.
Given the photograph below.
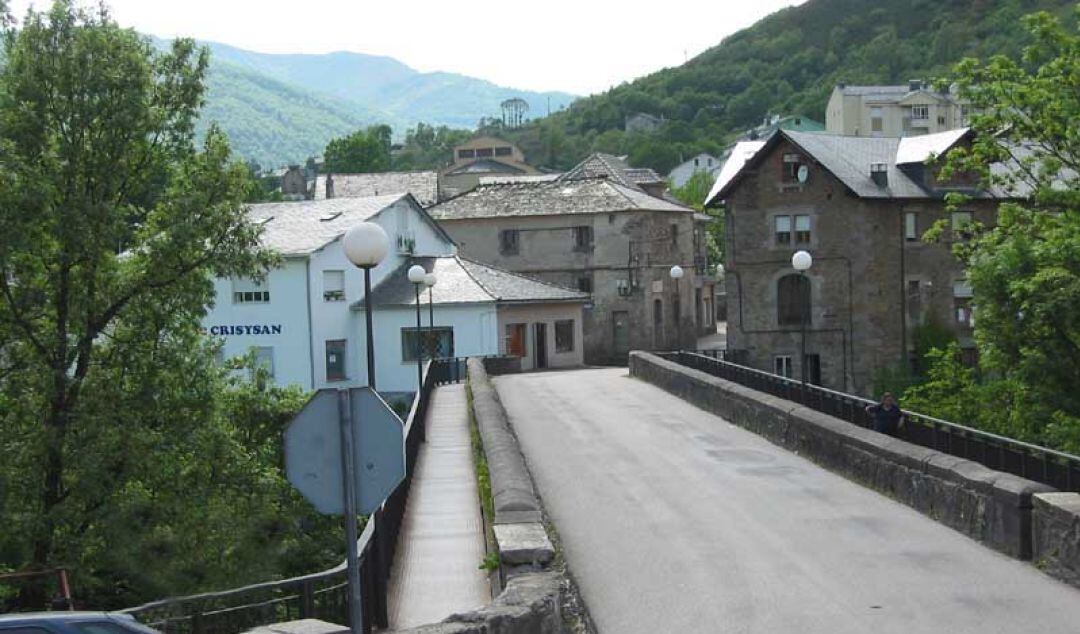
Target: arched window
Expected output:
[793,300]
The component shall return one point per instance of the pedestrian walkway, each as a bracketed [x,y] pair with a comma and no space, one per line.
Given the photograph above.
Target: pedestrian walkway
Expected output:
[436,569]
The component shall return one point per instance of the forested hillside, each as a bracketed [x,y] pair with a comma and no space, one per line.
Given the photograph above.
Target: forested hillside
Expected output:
[787,63]
[280,109]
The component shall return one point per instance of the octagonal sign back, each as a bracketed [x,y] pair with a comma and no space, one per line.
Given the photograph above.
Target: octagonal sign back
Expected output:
[313,451]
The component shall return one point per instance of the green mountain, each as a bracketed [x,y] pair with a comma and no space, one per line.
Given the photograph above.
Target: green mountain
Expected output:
[280,109]
[274,123]
[787,63]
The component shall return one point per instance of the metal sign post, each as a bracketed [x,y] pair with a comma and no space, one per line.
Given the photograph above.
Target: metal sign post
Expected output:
[345,452]
[348,480]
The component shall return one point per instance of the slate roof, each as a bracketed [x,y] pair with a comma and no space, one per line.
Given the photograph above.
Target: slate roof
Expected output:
[462,281]
[849,159]
[423,185]
[588,196]
[600,165]
[519,178]
[300,228]
[740,154]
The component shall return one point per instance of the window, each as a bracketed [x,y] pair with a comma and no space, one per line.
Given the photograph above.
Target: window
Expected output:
[961,220]
[877,122]
[911,226]
[583,238]
[247,291]
[920,113]
[783,229]
[793,300]
[658,313]
[503,151]
[264,359]
[941,120]
[434,343]
[623,288]
[335,360]
[961,224]
[584,283]
[515,340]
[482,152]
[697,162]
[782,365]
[802,229]
[914,289]
[508,242]
[792,163]
[333,285]
[812,367]
[564,335]
[462,154]
[674,235]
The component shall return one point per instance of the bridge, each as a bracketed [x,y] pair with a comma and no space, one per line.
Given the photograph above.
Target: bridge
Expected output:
[689,495]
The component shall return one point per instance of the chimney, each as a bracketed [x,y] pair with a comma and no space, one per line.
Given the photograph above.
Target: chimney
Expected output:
[914,84]
[879,173]
[329,185]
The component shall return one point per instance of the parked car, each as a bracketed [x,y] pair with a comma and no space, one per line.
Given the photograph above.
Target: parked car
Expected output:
[72,623]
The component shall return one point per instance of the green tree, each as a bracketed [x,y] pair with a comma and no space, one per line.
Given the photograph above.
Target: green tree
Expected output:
[693,194]
[124,456]
[1025,270]
[366,150]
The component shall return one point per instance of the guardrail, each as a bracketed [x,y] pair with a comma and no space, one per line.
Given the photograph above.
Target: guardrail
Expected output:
[322,595]
[1041,464]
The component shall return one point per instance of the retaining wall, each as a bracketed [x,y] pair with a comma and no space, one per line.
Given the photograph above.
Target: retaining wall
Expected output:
[1056,535]
[992,507]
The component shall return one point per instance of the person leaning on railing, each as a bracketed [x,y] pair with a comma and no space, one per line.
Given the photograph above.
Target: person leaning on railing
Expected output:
[887,417]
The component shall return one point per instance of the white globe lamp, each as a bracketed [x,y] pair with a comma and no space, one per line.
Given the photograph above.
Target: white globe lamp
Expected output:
[801,261]
[677,272]
[366,244]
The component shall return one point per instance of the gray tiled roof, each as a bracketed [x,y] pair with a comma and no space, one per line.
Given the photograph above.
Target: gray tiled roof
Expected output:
[600,165]
[423,185]
[849,158]
[461,281]
[588,196]
[298,228]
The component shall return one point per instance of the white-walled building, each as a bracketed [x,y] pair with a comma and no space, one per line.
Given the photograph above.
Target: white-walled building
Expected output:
[683,172]
[302,318]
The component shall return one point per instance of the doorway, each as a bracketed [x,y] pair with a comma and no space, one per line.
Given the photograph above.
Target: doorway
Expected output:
[621,332]
[540,345]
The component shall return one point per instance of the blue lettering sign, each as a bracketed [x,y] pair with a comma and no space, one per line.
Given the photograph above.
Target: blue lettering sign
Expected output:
[246,329]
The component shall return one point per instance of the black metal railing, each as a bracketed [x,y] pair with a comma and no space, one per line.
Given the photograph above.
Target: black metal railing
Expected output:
[1041,464]
[322,595]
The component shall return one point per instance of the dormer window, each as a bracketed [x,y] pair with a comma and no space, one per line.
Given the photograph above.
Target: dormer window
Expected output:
[920,113]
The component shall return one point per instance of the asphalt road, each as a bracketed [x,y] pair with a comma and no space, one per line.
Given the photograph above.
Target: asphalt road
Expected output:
[673,520]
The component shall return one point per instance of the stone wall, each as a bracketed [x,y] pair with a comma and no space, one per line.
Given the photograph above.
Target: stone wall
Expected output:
[1056,535]
[992,507]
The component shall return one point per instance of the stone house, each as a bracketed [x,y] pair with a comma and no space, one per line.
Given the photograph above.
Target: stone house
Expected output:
[602,236]
[911,109]
[480,157]
[860,206]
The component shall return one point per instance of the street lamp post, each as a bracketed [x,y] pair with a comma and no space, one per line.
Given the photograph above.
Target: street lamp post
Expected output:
[416,276]
[429,281]
[801,262]
[676,274]
[366,245]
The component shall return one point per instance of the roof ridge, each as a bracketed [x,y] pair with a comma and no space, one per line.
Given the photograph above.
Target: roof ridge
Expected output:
[472,277]
[517,274]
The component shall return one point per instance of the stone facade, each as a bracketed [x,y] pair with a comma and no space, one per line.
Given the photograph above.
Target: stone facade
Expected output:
[873,280]
[624,261]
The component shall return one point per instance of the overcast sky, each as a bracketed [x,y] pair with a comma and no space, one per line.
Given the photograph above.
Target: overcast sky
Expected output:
[578,46]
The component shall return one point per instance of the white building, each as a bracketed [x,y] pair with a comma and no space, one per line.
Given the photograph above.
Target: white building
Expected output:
[911,109]
[684,171]
[304,321]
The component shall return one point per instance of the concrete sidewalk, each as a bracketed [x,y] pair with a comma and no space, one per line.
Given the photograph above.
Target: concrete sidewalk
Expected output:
[436,568]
